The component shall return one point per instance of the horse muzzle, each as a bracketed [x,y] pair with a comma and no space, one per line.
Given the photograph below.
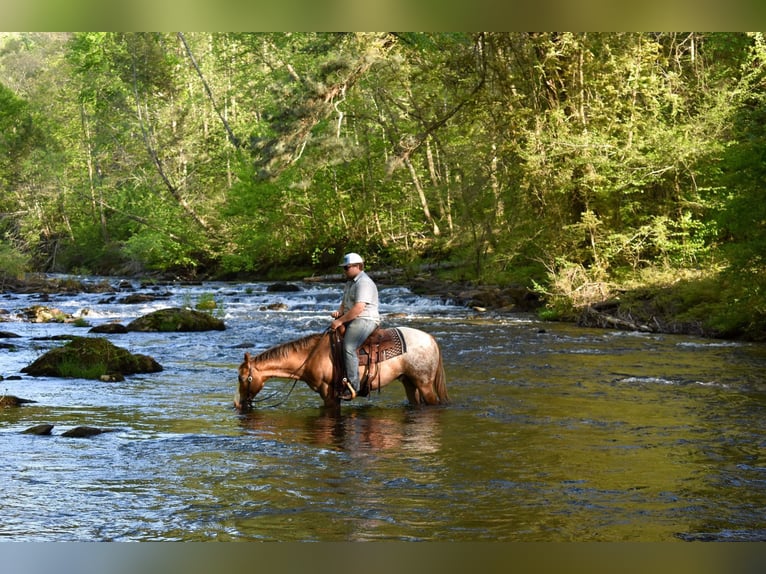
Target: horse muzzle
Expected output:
[243,399]
[243,405]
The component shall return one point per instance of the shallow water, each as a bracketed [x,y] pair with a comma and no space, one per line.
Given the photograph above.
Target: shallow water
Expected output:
[554,433]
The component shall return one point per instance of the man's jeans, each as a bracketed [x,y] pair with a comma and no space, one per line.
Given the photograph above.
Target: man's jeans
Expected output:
[357,332]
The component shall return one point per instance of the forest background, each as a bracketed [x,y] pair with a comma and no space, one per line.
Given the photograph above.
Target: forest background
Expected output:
[594,169]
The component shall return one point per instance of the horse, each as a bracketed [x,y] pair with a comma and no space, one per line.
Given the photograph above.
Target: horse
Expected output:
[419,367]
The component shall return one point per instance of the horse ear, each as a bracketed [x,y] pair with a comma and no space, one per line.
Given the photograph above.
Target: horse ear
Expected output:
[247,356]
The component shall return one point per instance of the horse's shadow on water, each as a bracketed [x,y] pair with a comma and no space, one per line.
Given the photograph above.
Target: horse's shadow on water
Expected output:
[366,428]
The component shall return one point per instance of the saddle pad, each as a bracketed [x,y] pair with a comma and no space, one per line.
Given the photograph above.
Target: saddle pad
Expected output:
[383,344]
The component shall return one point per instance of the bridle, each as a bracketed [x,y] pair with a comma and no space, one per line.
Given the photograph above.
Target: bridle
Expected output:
[250,400]
[294,375]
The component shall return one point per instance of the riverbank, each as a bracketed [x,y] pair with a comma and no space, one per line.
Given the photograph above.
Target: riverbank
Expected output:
[701,303]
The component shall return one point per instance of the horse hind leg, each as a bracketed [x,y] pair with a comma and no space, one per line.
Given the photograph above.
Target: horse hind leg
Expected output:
[413,393]
[428,395]
[419,394]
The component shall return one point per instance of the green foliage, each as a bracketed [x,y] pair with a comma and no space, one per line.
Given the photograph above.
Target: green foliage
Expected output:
[75,369]
[209,303]
[13,263]
[157,251]
[743,218]
[15,129]
[570,160]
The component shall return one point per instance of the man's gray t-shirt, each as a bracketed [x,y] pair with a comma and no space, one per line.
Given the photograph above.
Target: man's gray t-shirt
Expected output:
[362,289]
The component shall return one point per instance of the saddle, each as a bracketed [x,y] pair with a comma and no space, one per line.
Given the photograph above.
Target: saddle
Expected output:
[381,345]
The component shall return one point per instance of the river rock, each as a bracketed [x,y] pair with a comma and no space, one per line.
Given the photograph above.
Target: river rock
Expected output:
[176,319]
[137,298]
[11,401]
[40,430]
[274,307]
[8,335]
[90,358]
[109,329]
[83,432]
[43,314]
[282,287]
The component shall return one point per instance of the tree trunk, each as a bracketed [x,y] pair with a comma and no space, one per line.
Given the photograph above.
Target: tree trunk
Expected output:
[422,196]
[96,203]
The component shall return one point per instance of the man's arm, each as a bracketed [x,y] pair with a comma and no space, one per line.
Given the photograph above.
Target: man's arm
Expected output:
[349,315]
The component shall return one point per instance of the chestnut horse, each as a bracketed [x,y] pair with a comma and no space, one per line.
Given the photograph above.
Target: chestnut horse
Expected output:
[308,359]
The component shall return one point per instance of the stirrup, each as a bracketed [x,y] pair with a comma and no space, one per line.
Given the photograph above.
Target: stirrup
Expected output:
[349,394]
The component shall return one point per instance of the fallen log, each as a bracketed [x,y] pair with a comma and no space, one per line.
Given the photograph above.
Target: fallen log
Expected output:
[590,317]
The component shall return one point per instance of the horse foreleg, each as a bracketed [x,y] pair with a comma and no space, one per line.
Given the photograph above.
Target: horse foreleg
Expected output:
[328,396]
[331,402]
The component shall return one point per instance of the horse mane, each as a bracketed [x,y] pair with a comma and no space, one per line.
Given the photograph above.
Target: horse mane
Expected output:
[283,350]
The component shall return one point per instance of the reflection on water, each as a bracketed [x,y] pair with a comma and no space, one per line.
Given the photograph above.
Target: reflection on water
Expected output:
[365,429]
[350,477]
[554,434]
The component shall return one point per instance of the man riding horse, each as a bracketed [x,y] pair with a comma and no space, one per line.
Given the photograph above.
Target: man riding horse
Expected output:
[358,312]
[399,354]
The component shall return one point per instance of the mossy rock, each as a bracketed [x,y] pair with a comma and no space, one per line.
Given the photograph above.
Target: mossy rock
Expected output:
[90,358]
[176,319]
[43,314]
[11,401]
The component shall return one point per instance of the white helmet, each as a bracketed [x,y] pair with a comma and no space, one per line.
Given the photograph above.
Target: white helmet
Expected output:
[351,259]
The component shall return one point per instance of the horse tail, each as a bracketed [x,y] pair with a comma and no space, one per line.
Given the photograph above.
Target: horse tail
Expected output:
[440,379]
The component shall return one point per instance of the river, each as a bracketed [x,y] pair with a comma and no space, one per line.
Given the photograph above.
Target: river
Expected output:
[554,433]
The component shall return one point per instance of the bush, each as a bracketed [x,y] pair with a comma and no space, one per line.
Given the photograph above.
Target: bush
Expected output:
[13,263]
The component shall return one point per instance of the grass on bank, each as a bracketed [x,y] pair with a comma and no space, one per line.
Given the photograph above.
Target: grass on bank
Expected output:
[708,302]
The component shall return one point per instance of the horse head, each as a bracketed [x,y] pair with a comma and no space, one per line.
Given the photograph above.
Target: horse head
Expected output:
[250,384]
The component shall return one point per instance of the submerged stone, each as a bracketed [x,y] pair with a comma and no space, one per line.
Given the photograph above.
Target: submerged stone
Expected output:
[109,329]
[83,432]
[40,430]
